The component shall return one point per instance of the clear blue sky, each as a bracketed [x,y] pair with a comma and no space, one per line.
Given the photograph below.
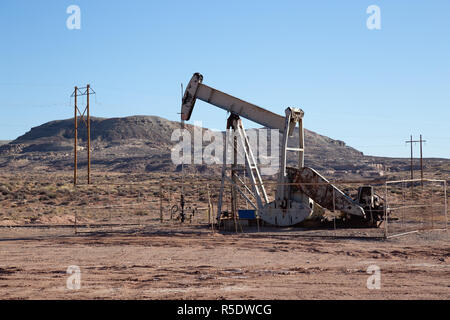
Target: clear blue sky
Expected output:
[370,88]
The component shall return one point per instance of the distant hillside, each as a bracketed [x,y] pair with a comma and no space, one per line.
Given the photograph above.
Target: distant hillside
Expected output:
[2,142]
[149,128]
[143,143]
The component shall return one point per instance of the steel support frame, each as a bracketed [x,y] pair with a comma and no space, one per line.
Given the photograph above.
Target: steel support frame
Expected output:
[293,116]
[235,130]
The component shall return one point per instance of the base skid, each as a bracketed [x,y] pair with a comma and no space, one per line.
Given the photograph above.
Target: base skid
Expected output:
[284,217]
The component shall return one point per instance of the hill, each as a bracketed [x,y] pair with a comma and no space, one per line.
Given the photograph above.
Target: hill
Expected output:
[143,143]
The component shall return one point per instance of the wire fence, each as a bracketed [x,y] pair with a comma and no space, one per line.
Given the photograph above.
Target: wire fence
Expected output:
[415,205]
[392,208]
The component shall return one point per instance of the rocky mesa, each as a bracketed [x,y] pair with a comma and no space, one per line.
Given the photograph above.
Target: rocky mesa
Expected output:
[143,144]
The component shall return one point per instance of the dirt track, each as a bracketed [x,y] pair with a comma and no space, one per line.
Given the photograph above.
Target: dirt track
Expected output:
[192,263]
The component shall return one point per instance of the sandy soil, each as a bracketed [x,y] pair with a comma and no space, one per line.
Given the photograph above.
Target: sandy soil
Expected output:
[124,252]
[170,261]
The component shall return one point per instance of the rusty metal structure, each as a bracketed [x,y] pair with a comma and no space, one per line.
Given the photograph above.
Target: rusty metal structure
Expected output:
[301,194]
[84,91]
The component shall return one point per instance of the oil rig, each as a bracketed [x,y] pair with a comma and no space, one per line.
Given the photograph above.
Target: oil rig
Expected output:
[302,193]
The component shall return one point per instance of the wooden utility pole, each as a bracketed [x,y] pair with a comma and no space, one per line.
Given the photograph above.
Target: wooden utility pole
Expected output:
[88,125]
[86,91]
[76,138]
[411,141]
[421,160]
[412,171]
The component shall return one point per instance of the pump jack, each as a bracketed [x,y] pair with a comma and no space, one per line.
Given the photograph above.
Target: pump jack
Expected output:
[301,191]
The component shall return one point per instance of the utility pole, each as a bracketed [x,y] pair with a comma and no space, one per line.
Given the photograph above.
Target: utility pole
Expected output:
[88,125]
[76,138]
[421,160]
[411,141]
[85,91]
[412,171]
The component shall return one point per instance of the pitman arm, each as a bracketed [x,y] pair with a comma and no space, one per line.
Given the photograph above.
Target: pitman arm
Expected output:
[197,90]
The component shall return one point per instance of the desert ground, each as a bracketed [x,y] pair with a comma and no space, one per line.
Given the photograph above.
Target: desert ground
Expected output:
[112,231]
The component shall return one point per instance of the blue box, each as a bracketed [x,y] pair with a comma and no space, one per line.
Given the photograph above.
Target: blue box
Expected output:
[247,214]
